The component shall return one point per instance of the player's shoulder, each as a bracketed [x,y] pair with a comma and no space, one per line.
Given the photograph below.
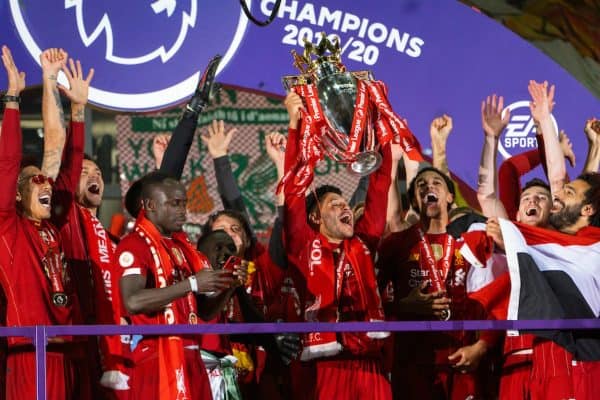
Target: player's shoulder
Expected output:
[131,250]
[132,240]
[399,241]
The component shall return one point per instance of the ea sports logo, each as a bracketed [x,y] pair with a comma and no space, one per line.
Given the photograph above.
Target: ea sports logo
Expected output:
[519,135]
[147,54]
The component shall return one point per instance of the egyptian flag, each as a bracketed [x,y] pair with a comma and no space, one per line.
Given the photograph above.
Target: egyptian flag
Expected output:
[554,275]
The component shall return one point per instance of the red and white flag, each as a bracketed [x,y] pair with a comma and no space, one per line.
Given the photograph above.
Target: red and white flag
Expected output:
[553,275]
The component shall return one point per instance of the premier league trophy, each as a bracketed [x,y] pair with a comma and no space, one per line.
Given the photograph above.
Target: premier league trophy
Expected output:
[348,114]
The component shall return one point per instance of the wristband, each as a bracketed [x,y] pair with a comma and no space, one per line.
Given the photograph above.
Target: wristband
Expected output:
[193,283]
[9,99]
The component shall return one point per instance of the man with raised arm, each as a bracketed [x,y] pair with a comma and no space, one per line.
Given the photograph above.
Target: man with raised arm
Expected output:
[335,259]
[552,264]
[533,209]
[89,248]
[441,365]
[36,281]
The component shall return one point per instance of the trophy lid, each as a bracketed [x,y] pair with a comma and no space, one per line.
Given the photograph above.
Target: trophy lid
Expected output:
[328,61]
[326,52]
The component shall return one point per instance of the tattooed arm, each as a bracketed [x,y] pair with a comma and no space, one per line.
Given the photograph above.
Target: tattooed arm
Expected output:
[493,124]
[52,60]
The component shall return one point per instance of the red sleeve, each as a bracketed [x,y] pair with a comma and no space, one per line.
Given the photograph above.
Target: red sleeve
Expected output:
[371,225]
[10,162]
[63,195]
[509,174]
[132,257]
[297,232]
[269,277]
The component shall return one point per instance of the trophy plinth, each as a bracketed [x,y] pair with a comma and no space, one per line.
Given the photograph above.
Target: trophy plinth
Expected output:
[366,162]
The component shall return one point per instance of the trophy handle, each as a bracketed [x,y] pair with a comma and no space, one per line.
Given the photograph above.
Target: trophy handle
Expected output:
[363,75]
[289,81]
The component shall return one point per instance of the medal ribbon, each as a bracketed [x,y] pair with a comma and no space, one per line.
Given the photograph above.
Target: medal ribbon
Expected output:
[437,275]
[52,262]
[398,130]
[173,382]
[176,257]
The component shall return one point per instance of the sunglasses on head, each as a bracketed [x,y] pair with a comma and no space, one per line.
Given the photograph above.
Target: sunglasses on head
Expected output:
[40,179]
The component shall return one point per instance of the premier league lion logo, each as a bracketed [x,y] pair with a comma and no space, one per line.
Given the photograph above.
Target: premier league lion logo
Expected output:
[148,54]
[157,39]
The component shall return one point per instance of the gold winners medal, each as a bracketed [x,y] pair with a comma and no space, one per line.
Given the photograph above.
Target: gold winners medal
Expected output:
[60,299]
[446,314]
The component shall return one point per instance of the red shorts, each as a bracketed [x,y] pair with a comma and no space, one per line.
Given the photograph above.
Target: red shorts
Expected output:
[586,380]
[352,379]
[302,380]
[551,372]
[515,382]
[64,381]
[144,376]
[433,382]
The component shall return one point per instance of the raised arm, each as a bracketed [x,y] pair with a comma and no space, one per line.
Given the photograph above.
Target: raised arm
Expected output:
[493,124]
[10,137]
[217,142]
[371,226]
[275,144]
[72,160]
[53,116]
[541,106]
[395,212]
[439,130]
[592,132]
[295,225]
[173,157]
[173,149]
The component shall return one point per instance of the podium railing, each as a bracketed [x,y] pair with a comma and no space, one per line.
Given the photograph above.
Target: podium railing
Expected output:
[40,334]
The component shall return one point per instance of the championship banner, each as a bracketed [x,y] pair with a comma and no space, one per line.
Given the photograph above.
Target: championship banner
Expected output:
[254,115]
[436,57]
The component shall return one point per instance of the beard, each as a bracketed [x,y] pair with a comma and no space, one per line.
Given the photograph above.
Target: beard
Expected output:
[566,217]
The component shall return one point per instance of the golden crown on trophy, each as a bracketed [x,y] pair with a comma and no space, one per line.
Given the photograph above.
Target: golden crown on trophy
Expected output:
[328,60]
[305,62]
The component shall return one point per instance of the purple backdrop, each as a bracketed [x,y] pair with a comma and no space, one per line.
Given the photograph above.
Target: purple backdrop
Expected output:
[436,57]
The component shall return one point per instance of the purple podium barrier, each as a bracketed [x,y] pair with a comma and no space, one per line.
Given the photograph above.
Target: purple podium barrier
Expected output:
[40,334]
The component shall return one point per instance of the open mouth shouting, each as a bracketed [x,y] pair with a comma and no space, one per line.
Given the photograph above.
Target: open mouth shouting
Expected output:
[531,211]
[44,200]
[346,218]
[93,188]
[430,199]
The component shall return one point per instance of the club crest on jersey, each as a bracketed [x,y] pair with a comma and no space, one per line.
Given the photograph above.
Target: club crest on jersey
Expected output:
[126,259]
[147,55]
